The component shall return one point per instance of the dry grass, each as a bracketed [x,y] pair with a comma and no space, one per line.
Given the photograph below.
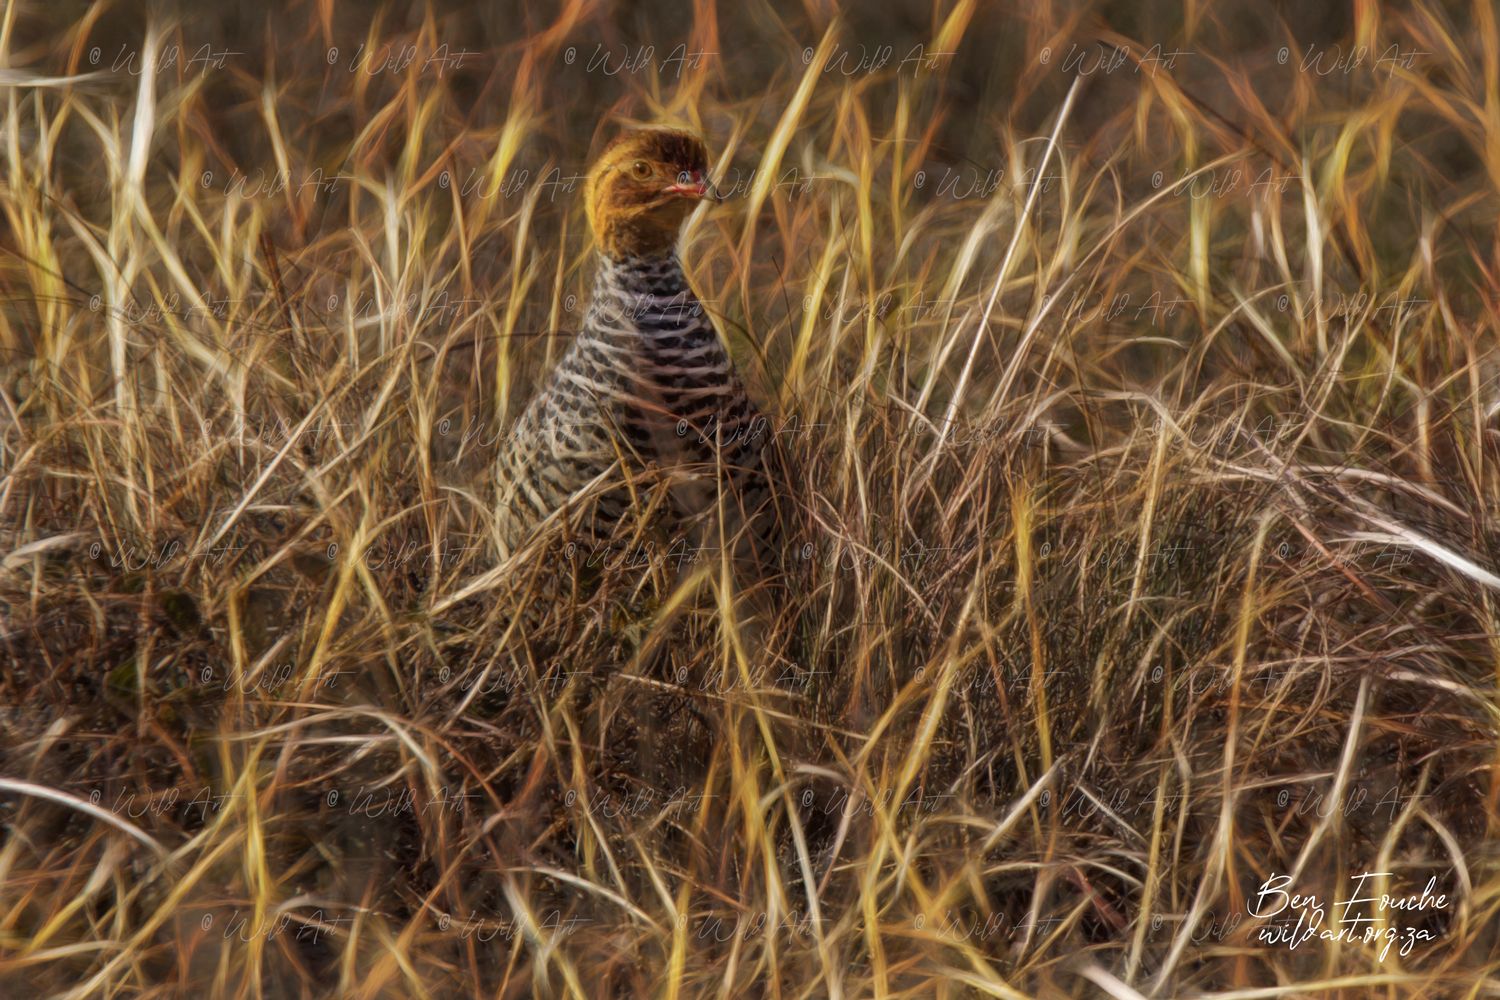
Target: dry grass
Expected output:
[1146,542]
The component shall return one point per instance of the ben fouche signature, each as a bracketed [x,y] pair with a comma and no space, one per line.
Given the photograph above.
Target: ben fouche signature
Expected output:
[1372,919]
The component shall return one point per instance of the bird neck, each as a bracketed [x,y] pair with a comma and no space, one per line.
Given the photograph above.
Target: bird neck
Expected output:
[643,296]
[641,274]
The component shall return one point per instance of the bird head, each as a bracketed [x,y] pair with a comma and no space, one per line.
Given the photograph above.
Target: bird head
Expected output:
[642,187]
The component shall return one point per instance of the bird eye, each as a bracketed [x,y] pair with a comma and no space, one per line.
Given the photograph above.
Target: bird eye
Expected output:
[640,170]
[684,177]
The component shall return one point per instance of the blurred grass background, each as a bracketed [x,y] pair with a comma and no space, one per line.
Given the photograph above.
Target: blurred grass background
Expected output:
[1146,548]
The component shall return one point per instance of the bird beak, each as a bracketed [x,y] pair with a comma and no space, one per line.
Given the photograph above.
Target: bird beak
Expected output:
[694,186]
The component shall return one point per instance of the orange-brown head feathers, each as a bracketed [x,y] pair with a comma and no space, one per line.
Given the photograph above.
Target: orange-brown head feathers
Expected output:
[641,188]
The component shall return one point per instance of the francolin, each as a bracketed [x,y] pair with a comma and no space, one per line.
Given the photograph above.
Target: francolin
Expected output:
[647,391]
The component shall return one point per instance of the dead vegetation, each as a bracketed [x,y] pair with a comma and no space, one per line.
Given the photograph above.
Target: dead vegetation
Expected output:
[1146,546]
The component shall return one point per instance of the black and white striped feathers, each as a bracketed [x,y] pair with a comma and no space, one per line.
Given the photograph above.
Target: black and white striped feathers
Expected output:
[647,389]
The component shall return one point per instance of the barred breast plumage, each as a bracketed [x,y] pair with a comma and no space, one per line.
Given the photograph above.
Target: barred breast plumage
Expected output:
[646,382]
